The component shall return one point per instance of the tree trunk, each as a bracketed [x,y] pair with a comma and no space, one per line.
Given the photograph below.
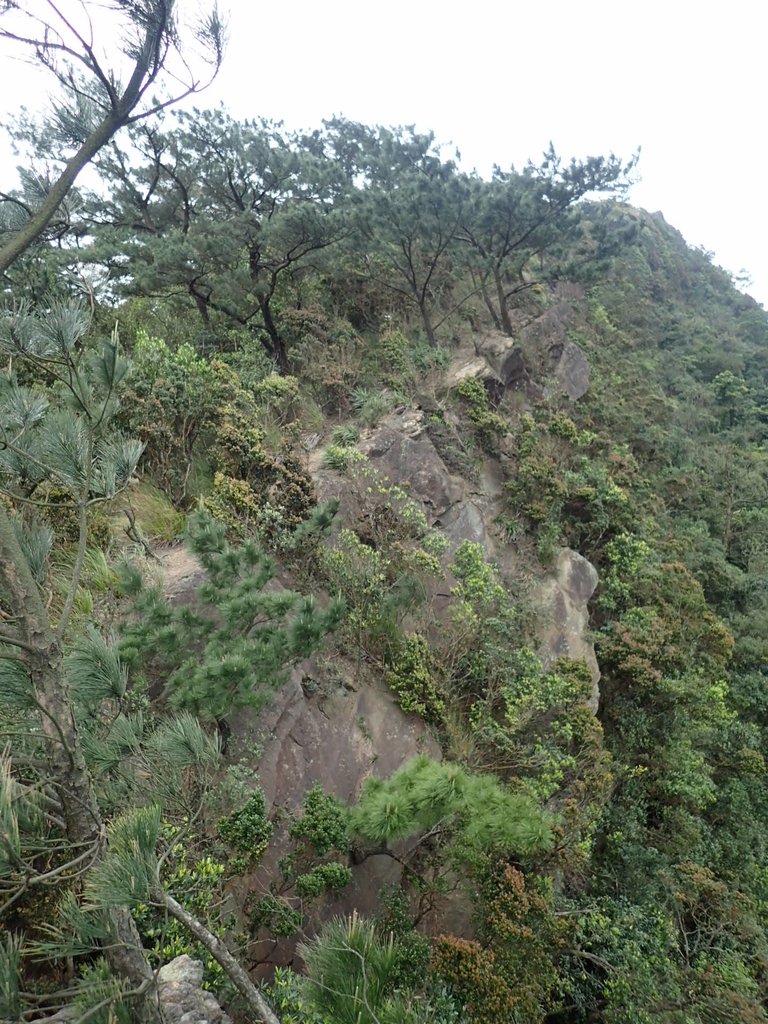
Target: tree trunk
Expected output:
[488,303]
[98,138]
[506,323]
[68,772]
[276,345]
[426,322]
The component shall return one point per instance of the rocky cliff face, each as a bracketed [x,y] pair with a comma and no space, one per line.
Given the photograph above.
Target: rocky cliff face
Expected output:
[337,723]
[564,615]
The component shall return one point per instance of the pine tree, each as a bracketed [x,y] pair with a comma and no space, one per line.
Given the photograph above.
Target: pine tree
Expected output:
[231,647]
[73,745]
[477,812]
[93,103]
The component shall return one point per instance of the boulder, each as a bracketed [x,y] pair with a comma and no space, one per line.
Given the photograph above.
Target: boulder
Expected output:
[573,371]
[412,462]
[465,521]
[564,615]
[548,336]
[549,329]
[477,368]
[505,357]
[182,996]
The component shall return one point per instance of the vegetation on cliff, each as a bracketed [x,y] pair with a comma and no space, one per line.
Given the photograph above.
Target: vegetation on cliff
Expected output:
[233,322]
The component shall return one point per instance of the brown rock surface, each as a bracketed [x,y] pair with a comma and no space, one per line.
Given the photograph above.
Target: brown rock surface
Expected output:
[349,729]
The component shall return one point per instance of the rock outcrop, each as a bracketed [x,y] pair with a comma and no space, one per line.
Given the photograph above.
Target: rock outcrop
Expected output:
[572,371]
[412,461]
[505,358]
[335,724]
[182,996]
[564,615]
[540,348]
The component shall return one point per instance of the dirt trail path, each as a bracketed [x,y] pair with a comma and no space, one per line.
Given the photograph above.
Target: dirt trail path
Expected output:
[181,571]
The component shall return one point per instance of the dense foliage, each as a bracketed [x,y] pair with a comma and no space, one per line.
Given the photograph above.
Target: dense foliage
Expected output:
[290,307]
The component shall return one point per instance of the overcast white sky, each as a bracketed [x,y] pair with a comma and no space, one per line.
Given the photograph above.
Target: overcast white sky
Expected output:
[684,80]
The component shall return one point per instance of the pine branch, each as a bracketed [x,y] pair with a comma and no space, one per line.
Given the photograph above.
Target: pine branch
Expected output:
[14,641]
[82,544]
[236,974]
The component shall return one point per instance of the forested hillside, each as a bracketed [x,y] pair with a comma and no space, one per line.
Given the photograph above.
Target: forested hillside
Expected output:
[383,561]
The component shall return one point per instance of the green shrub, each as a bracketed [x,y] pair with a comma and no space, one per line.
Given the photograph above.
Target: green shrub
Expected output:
[247,832]
[341,457]
[371,406]
[345,436]
[489,426]
[169,396]
[273,913]
[411,678]
[323,824]
[196,882]
[323,878]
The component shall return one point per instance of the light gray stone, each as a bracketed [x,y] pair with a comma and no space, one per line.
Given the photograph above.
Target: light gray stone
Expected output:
[183,999]
[465,521]
[573,371]
[564,615]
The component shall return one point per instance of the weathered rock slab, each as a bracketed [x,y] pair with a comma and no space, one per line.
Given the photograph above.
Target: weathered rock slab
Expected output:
[573,371]
[337,739]
[564,615]
[465,522]
[414,464]
[182,996]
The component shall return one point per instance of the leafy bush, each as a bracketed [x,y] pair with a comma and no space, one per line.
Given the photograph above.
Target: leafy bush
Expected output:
[489,426]
[247,832]
[258,487]
[411,678]
[319,834]
[341,457]
[571,486]
[323,878]
[323,824]
[167,402]
[371,406]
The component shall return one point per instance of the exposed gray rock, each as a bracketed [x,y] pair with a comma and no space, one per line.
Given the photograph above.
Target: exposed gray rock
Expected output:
[547,336]
[573,371]
[564,615]
[465,521]
[412,462]
[182,996]
[505,357]
[549,329]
